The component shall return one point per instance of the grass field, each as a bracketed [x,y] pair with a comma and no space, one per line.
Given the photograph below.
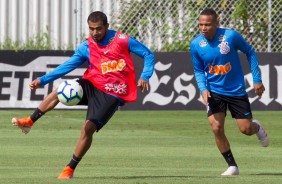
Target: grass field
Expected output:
[138,147]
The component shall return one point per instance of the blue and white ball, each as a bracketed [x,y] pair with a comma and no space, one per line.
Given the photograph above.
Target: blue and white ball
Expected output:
[70,92]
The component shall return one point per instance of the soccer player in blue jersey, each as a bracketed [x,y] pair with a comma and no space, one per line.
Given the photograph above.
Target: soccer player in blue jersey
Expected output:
[221,83]
[105,87]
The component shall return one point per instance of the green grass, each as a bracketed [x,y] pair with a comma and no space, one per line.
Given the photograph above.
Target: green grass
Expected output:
[137,147]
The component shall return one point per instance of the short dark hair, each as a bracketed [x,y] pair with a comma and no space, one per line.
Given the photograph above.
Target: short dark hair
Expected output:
[98,16]
[209,11]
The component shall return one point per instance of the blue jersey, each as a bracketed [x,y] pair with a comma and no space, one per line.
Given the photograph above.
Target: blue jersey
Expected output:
[216,63]
[81,55]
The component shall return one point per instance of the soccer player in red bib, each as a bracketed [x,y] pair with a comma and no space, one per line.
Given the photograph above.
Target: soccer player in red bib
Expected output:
[108,82]
[221,82]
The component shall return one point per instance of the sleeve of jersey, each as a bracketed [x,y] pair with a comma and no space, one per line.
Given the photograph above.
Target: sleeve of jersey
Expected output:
[73,62]
[199,69]
[149,58]
[250,53]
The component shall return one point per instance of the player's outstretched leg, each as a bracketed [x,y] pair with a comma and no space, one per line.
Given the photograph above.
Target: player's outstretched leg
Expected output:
[46,105]
[262,134]
[24,124]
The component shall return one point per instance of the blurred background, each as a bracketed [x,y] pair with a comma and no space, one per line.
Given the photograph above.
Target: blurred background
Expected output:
[164,26]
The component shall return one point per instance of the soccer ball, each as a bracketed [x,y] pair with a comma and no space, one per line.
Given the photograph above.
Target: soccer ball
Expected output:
[70,92]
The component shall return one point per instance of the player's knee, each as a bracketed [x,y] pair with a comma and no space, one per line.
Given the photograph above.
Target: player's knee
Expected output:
[88,128]
[217,129]
[247,130]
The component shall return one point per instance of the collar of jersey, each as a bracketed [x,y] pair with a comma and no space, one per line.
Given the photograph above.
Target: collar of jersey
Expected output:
[108,38]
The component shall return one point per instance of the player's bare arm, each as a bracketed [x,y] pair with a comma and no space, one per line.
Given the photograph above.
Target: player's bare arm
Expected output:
[143,85]
[205,96]
[259,88]
[34,84]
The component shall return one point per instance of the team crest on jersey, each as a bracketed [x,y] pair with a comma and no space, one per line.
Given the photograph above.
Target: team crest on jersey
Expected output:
[224,48]
[203,43]
[122,36]
[221,38]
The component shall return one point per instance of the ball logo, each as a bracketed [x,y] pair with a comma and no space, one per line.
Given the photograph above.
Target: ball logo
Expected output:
[70,92]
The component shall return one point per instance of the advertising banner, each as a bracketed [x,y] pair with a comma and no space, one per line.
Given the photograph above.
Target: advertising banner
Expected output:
[173,85]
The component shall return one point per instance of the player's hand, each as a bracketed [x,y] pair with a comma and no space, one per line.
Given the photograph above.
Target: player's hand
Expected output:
[259,88]
[34,84]
[205,95]
[143,85]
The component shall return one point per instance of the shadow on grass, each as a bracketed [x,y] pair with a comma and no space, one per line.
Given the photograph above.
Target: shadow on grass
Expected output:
[267,174]
[146,177]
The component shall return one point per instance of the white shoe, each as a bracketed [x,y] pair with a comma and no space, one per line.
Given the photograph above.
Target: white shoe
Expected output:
[262,135]
[231,170]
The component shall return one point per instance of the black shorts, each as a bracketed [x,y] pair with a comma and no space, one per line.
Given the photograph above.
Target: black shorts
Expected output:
[239,106]
[101,106]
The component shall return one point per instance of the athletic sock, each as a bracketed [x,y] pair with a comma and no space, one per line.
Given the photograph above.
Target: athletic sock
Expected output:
[228,156]
[36,115]
[74,161]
